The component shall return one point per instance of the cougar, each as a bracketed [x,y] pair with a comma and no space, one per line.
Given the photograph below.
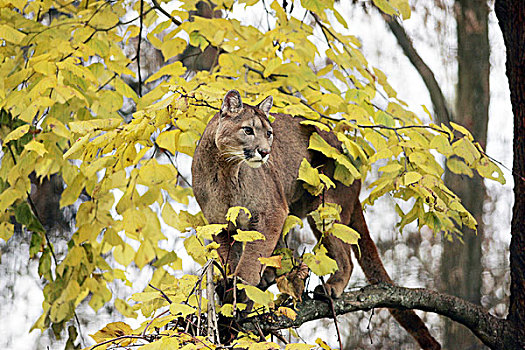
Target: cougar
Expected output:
[244,160]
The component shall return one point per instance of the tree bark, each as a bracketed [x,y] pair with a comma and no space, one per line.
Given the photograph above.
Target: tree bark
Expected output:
[461,263]
[494,332]
[511,17]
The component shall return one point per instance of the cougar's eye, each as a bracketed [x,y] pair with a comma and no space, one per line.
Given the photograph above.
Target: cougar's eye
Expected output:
[269,133]
[248,130]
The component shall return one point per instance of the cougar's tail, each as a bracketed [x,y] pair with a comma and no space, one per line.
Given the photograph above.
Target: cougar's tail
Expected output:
[375,272]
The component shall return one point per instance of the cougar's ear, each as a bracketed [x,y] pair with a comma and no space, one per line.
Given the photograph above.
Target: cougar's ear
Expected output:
[232,102]
[266,105]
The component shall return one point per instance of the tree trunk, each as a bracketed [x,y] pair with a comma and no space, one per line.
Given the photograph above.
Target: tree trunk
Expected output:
[511,16]
[461,263]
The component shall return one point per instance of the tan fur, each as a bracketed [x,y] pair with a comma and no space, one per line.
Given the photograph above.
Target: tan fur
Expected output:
[222,178]
[229,170]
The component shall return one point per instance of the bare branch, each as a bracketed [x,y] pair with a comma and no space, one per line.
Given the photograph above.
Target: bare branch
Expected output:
[156,5]
[442,111]
[494,332]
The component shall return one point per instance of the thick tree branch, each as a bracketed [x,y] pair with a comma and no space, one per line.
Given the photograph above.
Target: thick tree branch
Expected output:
[443,114]
[494,332]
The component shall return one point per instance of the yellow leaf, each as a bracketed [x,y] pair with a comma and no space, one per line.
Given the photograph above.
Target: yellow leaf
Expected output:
[172,47]
[145,254]
[248,236]
[17,133]
[411,177]
[113,330]
[489,170]
[124,254]
[168,140]
[37,147]
[345,233]
[309,174]
[319,144]
[153,173]
[255,294]
[208,231]
[10,34]
[85,126]
[391,168]
[233,213]
[465,149]
[271,66]
[181,309]
[286,311]
[461,129]
[77,149]
[290,222]
[6,230]
[195,249]
[57,127]
[441,144]
[317,124]
[174,69]
[385,6]
[273,261]
[320,263]
[187,142]
[322,344]
[457,166]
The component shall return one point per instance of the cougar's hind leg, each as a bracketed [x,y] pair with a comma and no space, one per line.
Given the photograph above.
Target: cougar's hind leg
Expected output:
[340,252]
[366,253]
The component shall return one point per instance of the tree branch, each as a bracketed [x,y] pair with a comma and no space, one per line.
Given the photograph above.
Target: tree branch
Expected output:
[157,6]
[443,114]
[494,332]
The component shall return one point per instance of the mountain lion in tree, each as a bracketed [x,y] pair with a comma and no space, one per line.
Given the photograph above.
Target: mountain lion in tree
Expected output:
[244,160]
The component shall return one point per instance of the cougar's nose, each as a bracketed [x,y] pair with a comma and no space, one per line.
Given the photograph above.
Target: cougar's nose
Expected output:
[263,152]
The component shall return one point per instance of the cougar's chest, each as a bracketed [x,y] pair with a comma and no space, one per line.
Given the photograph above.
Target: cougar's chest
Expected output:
[253,189]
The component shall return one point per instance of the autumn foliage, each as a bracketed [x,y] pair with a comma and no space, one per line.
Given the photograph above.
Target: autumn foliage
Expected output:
[65,87]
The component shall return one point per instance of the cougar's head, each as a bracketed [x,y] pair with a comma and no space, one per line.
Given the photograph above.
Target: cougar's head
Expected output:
[244,133]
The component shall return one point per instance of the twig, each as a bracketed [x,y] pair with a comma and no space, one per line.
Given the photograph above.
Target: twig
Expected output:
[153,319]
[368,326]
[199,306]
[213,326]
[161,292]
[334,315]
[117,339]
[138,47]
[165,13]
